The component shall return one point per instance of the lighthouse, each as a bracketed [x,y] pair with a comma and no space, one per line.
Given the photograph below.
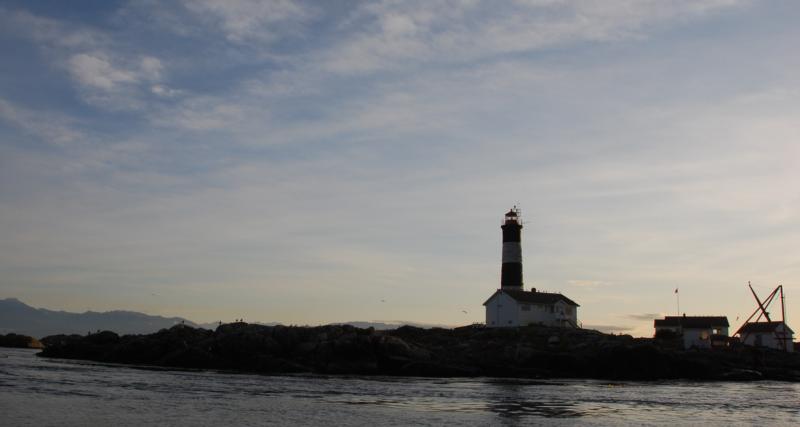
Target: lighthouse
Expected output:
[511,271]
[511,305]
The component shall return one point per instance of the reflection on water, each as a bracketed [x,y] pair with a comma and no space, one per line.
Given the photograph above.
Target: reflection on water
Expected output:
[524,408]
[36,391]
[513,399]
[519,399]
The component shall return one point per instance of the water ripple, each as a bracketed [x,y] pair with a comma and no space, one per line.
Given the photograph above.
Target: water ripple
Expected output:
[38,391]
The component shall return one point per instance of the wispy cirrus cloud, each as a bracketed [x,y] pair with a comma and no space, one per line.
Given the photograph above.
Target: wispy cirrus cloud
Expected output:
[95,70]
[198,113]
[253,20]
[105,71]
[53,127]
[121,82]
[51,33]
[395,34]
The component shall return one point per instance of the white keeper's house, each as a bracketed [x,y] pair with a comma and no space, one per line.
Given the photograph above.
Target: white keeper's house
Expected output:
[512,305]
[521,308]
[696,331]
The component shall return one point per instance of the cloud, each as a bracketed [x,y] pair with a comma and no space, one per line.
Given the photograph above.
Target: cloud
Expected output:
[248,20]
[49,32]
[645,316]
[108,72]
[51,127]
[150,68]
[96,71]
[164,91]
[120,82]
[398,33]
[201,113]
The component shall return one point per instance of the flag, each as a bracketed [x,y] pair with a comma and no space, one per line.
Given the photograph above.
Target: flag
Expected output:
[676,290]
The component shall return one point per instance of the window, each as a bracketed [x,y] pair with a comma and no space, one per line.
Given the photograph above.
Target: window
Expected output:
[525,307]
[569,310]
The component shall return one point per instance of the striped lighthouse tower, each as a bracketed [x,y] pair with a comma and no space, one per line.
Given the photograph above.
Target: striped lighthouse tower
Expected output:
[511,273]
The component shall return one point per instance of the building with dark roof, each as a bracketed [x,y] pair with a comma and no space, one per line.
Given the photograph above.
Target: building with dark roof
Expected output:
[696,331]
[692,321]
[509,308]
[777,335]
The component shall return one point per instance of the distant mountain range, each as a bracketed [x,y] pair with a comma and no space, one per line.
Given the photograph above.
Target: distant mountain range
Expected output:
[20,318]
[393,324]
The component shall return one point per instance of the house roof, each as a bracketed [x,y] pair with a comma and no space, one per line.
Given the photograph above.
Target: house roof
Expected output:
[534,297]
[762,327]
[692,322]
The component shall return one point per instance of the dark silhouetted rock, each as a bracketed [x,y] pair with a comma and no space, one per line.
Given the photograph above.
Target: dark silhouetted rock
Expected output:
[529,352]
[19,341]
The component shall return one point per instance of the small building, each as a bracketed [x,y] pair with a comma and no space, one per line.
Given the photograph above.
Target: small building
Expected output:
[777,335]
[696,331]
[510,308]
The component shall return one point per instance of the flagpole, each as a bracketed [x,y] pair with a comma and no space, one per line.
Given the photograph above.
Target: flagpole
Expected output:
[678,298]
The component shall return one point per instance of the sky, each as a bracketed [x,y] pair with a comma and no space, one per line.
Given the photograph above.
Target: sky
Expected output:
[315,162]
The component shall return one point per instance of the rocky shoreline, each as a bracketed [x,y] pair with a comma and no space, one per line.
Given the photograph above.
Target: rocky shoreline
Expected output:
[471,351]
[19,341]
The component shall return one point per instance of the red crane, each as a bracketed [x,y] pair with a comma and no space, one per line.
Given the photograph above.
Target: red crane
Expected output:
[762,312]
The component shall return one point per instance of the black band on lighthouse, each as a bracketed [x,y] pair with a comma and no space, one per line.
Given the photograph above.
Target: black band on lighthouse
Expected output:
[511,232]
[511,275]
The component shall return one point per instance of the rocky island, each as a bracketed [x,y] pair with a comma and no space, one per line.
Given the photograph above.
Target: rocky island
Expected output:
[525,352]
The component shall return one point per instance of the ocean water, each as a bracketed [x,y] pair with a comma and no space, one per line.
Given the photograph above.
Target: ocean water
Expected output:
[54,392]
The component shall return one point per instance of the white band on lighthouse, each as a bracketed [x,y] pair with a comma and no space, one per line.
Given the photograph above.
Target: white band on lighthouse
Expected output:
[512,252]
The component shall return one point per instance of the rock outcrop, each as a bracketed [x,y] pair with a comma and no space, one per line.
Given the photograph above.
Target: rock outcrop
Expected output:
[529,352]
[19,341]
